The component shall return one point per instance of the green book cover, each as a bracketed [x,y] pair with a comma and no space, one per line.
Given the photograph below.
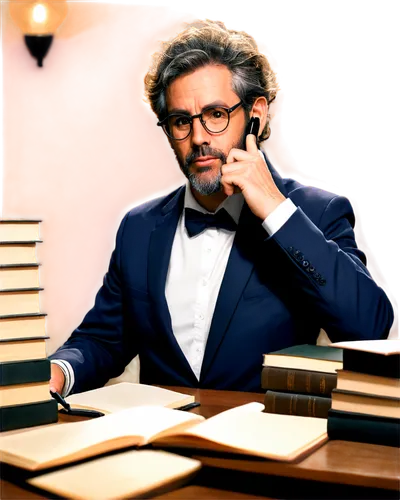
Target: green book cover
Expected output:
[312,351]
[24,372]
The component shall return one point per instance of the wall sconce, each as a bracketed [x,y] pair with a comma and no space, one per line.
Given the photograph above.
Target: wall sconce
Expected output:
[38,21]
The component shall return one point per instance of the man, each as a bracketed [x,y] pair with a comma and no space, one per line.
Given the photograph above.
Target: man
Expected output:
[201,297]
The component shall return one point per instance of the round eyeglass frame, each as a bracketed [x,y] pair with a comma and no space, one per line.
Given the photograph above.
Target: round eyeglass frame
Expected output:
[163,123]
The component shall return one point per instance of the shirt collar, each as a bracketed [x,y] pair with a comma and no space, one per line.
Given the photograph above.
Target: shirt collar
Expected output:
[232,204]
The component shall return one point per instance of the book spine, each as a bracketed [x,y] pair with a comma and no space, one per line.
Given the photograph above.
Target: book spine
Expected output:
[28,415]
[298,381]
[24,372]
[302,405]
[348,426]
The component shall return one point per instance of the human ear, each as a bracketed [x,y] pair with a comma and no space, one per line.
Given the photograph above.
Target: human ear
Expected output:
[260,109]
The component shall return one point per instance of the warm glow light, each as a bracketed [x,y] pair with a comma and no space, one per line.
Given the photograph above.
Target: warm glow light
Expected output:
[38,18]
[39,13]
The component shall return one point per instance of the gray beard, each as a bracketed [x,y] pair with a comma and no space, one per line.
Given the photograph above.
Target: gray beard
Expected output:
[205,187]
[211,186]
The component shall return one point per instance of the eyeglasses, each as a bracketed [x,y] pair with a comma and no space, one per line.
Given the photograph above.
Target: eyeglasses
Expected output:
[214,119]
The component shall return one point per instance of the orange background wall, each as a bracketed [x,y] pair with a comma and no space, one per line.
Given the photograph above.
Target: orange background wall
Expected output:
[80,148]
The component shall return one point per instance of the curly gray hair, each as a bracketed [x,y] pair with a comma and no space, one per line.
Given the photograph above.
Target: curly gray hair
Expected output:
[210,42]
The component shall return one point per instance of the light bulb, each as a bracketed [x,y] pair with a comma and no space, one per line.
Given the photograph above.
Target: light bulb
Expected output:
[39,13]
[38,17]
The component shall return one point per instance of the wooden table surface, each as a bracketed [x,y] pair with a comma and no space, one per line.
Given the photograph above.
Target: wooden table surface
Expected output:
[338,469]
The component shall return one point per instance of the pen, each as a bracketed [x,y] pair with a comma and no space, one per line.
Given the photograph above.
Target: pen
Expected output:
[77,412]
[189,406]
[61,400]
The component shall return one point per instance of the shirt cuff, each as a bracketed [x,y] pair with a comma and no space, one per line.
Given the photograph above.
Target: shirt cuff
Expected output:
[279,216]
[68,373]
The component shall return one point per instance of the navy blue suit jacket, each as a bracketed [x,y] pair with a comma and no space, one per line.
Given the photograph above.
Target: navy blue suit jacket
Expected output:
[276,292]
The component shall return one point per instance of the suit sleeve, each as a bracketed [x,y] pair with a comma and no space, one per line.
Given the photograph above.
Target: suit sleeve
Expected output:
[100,348]
[327,274]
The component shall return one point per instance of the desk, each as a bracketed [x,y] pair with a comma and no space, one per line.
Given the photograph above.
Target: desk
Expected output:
[338,469]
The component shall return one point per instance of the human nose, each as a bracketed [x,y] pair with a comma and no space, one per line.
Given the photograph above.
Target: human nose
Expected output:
[199,133]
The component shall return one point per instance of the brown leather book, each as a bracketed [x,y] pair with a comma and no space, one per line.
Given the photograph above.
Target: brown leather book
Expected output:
[298,381]
[297,404]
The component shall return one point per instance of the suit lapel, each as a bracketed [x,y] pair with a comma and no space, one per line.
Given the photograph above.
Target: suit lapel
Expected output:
[160,247]
[238,271]
[248,239]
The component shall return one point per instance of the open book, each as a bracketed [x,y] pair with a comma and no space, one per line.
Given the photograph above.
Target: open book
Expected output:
[244,430]
[125,395]
[131,473]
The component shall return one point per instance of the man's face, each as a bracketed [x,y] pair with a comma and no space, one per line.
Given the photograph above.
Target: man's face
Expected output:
[202,154]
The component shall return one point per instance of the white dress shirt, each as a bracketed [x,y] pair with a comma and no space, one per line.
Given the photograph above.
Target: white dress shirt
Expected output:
[196,269]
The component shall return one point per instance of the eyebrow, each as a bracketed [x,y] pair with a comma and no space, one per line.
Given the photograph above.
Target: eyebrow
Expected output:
[179,111]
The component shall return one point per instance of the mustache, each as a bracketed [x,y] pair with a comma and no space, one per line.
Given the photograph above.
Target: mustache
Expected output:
[204,150]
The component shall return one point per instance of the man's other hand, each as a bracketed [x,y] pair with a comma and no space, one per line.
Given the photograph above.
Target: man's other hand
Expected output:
[57,379]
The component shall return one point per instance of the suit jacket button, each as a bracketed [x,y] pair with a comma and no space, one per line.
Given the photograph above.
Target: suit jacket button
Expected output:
[305,263]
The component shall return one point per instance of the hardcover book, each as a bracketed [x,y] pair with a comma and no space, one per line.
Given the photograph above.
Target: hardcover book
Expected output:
[27,415]
[24,372]
[19,301]
[17,276]
[350,426]
[298,381]
[286,403]
[19,230]
[21,326]
[18,252]
[368,384]
[358,402]
[306,357]
[21,350]
[375,357]
[24,393]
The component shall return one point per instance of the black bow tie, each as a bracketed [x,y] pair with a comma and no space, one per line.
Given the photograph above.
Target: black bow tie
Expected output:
[196,222]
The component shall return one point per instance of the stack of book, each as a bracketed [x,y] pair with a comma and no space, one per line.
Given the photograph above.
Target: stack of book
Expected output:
[366,402]
[25,400]
[299,380]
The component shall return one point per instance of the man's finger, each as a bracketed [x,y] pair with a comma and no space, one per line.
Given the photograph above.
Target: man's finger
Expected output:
[251,144]
[234,168]
[237,155]
[232,183]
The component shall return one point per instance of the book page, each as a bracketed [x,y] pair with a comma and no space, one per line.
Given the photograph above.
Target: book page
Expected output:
[130,473]
[230,414]
[60,444]
[127,395]
[279,437]
[385,347]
